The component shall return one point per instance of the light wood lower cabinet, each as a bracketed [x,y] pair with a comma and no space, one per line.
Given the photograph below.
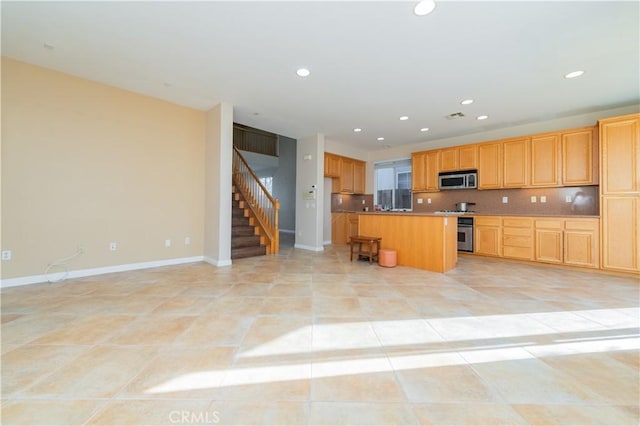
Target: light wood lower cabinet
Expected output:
[487,236]
[559,240]
[549,242]
[353,224]
[582,242]
[343,225]
[621,233]
[567,241]
[420,241]
[517,238]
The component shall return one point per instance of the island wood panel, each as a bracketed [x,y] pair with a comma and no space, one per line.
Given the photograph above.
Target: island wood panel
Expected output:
[425,242]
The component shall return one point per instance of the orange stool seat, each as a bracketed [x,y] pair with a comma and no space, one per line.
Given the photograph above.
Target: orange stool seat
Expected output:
[388,258]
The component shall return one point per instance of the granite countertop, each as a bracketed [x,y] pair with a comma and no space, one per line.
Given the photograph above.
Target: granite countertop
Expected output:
[411,213]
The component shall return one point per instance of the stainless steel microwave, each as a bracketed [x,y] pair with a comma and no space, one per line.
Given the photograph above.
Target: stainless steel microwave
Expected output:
[467,179]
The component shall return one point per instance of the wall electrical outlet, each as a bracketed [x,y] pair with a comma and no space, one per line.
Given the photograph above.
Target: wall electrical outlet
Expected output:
[567,199]
[534,199]
[113,246]
[543,198]
[419,200]
[505,200]
[167,243]
[364,202]
[187,241]
[6,254]
[428,200]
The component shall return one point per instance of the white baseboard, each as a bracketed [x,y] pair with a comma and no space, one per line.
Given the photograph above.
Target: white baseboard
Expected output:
[305,247]
[327,243]
[34,279]
[216,262]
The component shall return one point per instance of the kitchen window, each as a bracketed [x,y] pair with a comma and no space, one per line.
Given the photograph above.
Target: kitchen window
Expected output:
[393,185]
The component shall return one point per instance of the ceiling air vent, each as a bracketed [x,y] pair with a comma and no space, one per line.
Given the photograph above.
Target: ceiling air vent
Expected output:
[454,116]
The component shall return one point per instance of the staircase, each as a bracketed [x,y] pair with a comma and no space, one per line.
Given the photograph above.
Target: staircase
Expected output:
[255,213]
[245,241]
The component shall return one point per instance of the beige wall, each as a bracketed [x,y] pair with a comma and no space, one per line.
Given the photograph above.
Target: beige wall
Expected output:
[87,164]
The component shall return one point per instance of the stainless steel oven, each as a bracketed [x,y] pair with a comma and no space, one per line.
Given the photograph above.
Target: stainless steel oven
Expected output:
[465,234]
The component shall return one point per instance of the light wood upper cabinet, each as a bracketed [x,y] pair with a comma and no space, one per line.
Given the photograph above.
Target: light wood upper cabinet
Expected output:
[348,175]
[359,174]
[463,157]
[580,156]
[425,169]
[515,163]
[331,165]
[468,157]
[432,171]
[620,153]
[449,160]
[545,161]
[418,171]
[490,165]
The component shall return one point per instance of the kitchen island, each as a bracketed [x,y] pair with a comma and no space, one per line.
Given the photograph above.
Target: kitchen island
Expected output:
[422,240]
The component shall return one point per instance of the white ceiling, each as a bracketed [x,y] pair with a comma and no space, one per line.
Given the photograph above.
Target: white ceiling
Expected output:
[370,62]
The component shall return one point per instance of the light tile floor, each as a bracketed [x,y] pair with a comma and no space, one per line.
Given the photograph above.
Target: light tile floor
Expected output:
[311,338]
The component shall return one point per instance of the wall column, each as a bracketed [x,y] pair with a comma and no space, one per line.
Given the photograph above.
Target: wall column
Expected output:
[218,169]
[310,177]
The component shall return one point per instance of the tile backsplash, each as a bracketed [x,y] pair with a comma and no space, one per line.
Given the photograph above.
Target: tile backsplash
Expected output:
[564,201]
[351,202]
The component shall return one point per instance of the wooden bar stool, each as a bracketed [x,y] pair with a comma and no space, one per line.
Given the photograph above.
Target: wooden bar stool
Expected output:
[370,243]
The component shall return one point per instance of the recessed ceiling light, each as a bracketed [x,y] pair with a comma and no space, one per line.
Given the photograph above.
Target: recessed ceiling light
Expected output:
[424,7]
[482,117]
[424,129]
[357,129]
[380,139]
[574,74]
[303,72]
[404,118]
[467,102]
